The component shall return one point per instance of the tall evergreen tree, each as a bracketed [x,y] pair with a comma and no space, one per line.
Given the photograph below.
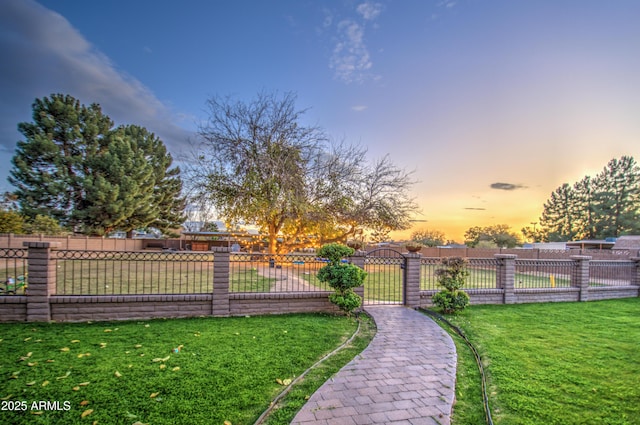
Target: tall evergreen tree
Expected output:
[584,208]
[596,208]
[559,215]
[74,166]
[618,198]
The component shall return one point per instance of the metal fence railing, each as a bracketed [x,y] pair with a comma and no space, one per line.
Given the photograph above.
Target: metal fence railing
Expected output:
[535,274]
[249,272]
[13,271]
[611,273]
[132,272]
[383,283]
[482,274]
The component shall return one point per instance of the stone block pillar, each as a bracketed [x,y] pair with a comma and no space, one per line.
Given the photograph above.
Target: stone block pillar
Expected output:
[636,275]
[41,280]
[411,281]
[580,275]
[221,282]
[506,275]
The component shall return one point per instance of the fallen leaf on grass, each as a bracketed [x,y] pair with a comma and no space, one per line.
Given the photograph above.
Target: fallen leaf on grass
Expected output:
[175,369]
[14,375]
[75,341]
[83,384]
[103,344]
[65,376]
[51,361]
[158,359]
[32,364]
[138,346]
[39,412]
[45,383]
[117,374]
[283,381]
[27,339]
[154,395]
[28,384]
[130,415]
[108,330]
[163,366]
[138,422]
[84,402]
[86,413]
[65,349]
[6,398]
[76,388]
[227,422]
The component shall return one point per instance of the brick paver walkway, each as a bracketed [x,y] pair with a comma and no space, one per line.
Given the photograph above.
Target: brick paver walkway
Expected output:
[405,376]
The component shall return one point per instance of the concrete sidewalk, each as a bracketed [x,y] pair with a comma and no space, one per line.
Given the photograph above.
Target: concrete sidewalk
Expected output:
[405,376]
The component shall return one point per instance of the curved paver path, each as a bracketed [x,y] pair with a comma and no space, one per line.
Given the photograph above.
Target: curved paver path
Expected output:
[405,376]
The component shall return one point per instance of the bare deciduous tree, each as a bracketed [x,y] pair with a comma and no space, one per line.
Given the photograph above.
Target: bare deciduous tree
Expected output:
[256,163]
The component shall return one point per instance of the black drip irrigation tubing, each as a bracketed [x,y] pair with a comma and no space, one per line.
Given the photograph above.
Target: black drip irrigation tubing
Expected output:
[290,386]
[483,378]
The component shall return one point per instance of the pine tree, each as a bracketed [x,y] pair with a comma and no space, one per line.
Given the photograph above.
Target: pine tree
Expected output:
[584,208]
[49,165]
[75,167]
[618,198]
[559,215]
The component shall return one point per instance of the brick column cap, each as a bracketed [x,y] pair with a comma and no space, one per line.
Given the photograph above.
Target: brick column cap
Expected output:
[506,256]
[581,257]
[219,249]
[33,244]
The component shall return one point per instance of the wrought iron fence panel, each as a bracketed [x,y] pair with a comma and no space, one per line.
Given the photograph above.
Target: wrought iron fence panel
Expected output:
[384,282]
[428,267]
[536,274]
[133,272]
[611,273]
[256,272]
[482,273]
[13,271]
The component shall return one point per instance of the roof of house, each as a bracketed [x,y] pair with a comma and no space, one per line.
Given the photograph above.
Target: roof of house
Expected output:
[627,242]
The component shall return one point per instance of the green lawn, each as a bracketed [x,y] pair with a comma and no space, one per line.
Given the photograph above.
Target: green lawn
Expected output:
[556,363]
[226,369]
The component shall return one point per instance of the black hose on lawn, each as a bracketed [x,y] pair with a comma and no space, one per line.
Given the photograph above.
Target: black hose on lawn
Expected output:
[273,404]
[483,378]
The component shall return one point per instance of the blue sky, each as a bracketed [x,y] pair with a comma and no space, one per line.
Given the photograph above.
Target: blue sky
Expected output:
[467,93]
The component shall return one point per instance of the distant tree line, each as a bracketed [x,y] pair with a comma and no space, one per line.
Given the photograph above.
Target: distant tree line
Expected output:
[76,170]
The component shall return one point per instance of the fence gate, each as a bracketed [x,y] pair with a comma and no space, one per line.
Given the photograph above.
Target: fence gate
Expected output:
[384,282]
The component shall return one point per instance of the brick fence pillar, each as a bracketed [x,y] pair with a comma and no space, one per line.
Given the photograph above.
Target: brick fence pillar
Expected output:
[221,281]
[41,280]
[506,276]
[580,275]
[636,276]
[411,281]
[357,259]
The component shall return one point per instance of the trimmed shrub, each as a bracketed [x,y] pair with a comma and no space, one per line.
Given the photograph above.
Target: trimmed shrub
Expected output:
[452,277]
[342,277]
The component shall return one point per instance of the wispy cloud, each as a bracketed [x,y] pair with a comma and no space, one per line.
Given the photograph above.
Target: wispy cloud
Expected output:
[359,108]
[507,186]
[369,11]
[350,60]
[475,209]
[48,55]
